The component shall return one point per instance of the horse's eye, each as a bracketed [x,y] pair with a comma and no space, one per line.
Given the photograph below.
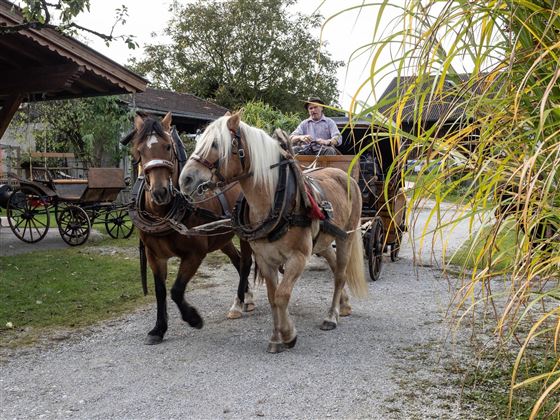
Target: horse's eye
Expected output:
[214,145]
[168,147]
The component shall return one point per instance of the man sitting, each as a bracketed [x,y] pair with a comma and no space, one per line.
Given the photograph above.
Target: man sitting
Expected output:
[317,135]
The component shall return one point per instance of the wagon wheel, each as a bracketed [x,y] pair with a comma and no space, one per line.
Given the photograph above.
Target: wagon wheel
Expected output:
[28,216]
[59,208]
[375,248]
[74,225]
[118,224]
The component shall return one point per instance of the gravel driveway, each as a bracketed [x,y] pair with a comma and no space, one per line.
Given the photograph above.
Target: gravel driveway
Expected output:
[390,359]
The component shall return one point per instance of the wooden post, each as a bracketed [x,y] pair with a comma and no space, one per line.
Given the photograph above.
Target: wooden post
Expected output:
[7,112]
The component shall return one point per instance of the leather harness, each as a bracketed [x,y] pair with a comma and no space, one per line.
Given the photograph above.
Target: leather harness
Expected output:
[290,208]
[181,208]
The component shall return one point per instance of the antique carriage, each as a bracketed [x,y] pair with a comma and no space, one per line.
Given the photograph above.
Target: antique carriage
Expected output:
[373,159]
[75,203]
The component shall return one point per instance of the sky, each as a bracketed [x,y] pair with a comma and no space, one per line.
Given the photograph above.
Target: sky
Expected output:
[343,35]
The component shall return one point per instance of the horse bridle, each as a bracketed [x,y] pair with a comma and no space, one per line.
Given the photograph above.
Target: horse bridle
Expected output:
[160,163]
[214,167]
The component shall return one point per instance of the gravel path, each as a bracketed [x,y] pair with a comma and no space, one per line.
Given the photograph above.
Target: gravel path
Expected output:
[390,359]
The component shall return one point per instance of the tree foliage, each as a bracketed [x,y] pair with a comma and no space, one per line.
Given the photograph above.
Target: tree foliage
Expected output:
[268,118]
[237,51]
[92,127]
[61,15]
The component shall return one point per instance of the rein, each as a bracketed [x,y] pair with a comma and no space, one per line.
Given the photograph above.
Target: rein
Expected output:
[237,149]
[181,207]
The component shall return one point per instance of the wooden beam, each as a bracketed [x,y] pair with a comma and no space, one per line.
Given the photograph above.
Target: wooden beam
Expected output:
[39,79]
[7,112]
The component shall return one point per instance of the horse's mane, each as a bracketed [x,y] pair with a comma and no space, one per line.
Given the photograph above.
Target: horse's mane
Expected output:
[151,125]
[263,149]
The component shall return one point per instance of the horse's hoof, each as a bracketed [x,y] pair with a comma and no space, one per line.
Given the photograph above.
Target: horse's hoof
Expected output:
[248,307]
[197,322]
[291,344]
[194,319]
[276,347]
[328,325]
[153,339]
[345,311]
[234,315]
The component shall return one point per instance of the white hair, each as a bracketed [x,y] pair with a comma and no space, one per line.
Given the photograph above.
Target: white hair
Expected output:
[263,150]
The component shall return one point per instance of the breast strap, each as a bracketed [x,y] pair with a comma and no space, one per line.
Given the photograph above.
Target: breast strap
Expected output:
[180,210]
[285,211]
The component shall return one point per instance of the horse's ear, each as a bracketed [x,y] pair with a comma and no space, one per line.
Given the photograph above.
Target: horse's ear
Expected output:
[166,122]
[233,122]
[138,123]
[227,114]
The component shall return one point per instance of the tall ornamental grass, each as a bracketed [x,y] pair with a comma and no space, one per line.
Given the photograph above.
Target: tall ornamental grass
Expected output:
[490,71]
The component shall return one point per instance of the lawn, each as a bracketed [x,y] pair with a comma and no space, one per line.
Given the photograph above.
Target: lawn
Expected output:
[69,287]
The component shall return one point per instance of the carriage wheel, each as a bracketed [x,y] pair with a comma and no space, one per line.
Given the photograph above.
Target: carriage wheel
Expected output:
[74,225]
[118,224]
[375,239]
[28,216]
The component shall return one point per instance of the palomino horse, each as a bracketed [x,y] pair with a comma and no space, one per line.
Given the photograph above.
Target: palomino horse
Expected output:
[161,213]
[281,232]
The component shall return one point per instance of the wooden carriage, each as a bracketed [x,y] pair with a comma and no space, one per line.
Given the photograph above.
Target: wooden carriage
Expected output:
[383,194]
[75,203]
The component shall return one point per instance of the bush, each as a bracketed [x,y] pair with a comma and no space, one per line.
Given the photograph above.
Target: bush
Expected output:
[268,118]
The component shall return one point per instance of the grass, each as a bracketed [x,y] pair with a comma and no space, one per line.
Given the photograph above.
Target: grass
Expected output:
[75,287]
[488,389]
[473,251]
[70,287]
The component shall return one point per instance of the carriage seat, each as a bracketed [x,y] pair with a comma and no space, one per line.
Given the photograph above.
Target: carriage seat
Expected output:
[101,186]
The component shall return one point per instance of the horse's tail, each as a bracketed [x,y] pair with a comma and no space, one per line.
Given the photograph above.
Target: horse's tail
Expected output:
[355,277]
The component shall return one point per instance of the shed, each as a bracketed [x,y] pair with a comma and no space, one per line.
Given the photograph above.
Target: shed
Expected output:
[190,112]
[44,64]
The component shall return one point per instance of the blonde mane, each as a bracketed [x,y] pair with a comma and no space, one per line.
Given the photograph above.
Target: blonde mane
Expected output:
[263,150]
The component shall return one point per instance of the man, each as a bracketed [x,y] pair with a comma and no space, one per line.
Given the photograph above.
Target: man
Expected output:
[317,135]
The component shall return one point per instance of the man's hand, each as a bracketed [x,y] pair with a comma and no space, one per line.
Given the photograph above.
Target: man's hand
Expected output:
[324,142]
[303,138]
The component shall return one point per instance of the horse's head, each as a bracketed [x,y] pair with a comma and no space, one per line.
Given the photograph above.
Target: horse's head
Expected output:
[220,157]
[152,147]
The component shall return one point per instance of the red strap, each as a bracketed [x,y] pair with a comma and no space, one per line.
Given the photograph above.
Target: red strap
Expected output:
[315,211]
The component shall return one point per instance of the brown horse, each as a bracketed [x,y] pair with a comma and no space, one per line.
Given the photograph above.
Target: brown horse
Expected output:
[230,150]
[161,213]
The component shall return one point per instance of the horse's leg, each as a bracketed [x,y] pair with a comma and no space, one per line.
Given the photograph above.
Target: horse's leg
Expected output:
[233,254]
[187,269]
[285,326]
[159,270]
[246,263]
[330,255]
[270,274]
[341,261]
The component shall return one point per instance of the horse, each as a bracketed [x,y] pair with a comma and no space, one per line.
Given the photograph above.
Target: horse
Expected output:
[163,216]
[280,217]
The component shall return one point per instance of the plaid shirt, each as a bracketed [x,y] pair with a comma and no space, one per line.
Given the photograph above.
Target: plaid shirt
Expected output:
[325,129]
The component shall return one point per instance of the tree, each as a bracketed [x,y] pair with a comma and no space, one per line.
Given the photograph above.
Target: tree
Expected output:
[92,127]
[39,14]
[237,51]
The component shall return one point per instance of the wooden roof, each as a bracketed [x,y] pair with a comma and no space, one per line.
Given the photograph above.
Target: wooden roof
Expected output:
[43,64]
[449,105]
[181,105]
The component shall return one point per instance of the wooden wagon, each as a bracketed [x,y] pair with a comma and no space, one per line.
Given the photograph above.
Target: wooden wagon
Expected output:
[75,203]
[383,202]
